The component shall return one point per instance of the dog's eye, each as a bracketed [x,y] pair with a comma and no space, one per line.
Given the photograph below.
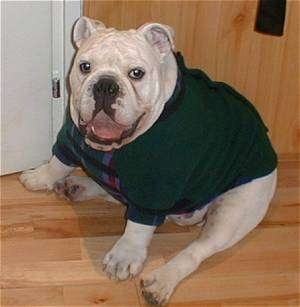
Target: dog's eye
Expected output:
[85,67]
[136,73]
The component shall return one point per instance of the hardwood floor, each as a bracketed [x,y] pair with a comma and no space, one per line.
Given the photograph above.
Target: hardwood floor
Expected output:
[51,251]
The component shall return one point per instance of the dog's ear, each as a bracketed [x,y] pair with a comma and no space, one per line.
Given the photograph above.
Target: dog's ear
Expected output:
[160,37]
[83,29]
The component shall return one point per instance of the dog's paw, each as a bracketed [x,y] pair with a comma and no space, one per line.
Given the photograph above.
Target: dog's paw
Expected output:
[125,260]
[37,179]
[158,286]
[78,188]
[70,189]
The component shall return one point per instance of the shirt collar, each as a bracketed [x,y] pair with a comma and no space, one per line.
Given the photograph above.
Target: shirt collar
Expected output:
[176,99]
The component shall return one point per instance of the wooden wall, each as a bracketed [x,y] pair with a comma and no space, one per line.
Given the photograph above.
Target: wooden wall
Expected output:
[218,37]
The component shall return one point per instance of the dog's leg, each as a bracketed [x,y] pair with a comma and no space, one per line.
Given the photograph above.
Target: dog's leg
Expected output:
[80,188]
[230,217]
[44,176]
[127,257]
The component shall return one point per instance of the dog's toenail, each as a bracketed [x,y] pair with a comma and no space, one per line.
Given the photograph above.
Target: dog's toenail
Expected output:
[73,189]
[149,297]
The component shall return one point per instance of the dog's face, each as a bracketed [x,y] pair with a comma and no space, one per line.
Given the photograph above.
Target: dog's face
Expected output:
[120,81]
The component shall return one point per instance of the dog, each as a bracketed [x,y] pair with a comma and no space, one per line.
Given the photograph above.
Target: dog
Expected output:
[165,140]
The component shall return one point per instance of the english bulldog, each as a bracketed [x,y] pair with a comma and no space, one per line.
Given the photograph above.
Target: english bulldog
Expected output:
[165,140]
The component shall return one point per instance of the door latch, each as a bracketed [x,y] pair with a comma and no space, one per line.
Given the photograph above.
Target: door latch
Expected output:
[56,88]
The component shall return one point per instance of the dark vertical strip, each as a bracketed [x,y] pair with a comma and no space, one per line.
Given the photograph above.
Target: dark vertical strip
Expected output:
[270,17]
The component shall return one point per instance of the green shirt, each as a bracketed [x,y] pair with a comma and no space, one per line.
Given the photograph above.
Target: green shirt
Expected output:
[214,141]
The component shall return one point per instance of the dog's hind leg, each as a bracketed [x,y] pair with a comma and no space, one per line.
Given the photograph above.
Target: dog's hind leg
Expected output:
[80,188]
[229,218]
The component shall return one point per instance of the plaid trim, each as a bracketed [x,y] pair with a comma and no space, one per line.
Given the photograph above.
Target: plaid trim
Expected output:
[108,178]
[76,152]
[113,182]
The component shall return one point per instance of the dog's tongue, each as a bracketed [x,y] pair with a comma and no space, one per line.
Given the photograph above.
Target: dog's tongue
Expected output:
[104,127]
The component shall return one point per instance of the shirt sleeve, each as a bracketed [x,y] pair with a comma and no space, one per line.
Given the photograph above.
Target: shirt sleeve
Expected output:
[65,155]
[143,217]
[62,148]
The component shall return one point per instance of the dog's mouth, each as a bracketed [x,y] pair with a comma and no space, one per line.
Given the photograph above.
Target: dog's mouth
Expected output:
[103,130]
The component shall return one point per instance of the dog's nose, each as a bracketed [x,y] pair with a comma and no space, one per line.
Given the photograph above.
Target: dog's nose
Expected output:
[106,87]
[105,92]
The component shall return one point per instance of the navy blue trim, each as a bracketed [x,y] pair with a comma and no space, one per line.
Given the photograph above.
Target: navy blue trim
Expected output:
[137,216]
[176,99]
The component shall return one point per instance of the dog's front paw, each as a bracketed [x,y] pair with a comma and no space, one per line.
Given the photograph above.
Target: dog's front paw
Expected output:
[125,260]
[37,179]
[158,286]
[79,188]
[71,189]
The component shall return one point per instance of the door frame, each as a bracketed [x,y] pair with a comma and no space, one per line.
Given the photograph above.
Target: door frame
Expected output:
[64,14]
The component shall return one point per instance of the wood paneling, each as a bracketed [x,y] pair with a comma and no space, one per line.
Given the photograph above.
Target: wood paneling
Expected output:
[51,251]
[218,37]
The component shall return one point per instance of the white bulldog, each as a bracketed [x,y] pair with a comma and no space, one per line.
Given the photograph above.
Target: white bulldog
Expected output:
[120,82]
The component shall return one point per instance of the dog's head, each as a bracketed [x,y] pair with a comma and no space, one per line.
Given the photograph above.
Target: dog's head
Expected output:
[120,81]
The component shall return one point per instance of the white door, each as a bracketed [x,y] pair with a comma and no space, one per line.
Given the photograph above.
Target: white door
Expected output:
[36,47]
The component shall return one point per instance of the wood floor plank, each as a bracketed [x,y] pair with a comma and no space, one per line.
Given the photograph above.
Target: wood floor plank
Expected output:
[105,293]
[16,251]
[39,296]
[50,273]
[246,289]
[237,261]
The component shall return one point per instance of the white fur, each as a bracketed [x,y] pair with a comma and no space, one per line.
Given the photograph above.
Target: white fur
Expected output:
[196,217]
[80,188]
[113,53]
[45,176]
[127,257]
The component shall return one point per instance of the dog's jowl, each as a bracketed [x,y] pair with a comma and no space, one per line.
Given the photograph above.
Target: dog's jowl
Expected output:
[167,142]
